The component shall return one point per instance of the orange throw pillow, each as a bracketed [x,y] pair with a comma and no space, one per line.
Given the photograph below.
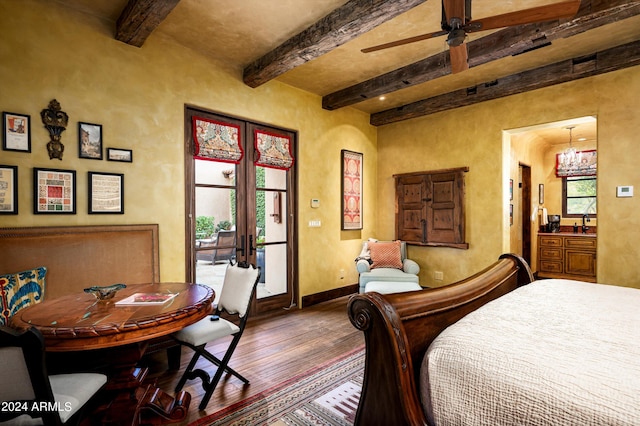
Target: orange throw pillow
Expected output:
[385,255]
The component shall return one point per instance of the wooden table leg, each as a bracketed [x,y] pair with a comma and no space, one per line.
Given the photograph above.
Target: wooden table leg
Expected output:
[127,399]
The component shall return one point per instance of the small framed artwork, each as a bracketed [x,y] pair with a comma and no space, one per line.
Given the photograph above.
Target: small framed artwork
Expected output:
[90,141]
[510,214]
[351,190]
[510,189]
[117,154]
[106,193]
[541,193]
[8,189]
[16,129]
[54,191]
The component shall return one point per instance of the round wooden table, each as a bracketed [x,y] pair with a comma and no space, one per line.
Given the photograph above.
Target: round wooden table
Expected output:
[111,337]
[80,322]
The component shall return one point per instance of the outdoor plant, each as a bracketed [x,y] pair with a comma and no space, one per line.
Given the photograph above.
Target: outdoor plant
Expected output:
[205,226]
[223,225]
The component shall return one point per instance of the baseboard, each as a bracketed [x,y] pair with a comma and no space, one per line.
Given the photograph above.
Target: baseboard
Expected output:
[314,299]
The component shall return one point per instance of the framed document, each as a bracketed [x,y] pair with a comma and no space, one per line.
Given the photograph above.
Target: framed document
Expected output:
[8,189]
[16,132]
[106,193]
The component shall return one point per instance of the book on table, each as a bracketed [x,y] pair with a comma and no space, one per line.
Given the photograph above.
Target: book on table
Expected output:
[138,299]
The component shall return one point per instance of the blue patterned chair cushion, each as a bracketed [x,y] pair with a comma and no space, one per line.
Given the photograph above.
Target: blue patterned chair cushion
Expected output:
[19,290]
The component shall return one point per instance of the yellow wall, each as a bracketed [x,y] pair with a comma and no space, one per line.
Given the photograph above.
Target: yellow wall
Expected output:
[138,95]
[472,136]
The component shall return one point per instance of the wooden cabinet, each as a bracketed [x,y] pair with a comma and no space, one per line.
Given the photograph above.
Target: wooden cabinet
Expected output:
[430,208]
[567,256]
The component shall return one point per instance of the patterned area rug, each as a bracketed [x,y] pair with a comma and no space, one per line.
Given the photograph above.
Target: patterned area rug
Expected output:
[326,395]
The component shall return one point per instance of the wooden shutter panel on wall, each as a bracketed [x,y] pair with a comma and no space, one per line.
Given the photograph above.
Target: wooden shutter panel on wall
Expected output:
[445,223]
[411,193]
[430,208]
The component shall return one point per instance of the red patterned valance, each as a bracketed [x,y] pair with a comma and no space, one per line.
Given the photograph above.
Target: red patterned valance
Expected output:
[216,140]
[273,150]
[586,164]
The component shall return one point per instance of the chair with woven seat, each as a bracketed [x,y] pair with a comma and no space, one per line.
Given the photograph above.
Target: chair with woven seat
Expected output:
[239,286]
[30,391]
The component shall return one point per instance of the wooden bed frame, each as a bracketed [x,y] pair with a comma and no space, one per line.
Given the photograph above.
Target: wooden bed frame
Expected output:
[398,329]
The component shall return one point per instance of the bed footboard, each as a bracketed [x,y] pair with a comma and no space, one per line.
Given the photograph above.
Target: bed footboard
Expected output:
[398,329]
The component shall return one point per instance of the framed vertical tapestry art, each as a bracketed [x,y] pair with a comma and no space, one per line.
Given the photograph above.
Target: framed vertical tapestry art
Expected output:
[351,190]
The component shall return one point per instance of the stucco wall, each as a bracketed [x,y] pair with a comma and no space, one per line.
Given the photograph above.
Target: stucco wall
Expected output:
[472,136]
[138,95]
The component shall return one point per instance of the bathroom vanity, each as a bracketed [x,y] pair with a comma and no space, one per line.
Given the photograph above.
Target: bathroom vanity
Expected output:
[567,255]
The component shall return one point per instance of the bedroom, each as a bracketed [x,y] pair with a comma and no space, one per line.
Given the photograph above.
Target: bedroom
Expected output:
[138,95]
[49,51]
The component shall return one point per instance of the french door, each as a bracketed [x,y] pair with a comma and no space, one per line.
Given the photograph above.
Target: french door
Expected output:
[240,204]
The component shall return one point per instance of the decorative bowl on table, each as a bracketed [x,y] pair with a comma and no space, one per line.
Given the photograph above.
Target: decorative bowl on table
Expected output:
[104,293]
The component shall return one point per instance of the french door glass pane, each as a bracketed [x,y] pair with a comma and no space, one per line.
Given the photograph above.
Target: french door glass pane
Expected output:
[271,224]
[272,260]
[215,235]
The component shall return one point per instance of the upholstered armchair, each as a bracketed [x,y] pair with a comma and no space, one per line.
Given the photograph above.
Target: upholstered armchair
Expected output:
[383,267]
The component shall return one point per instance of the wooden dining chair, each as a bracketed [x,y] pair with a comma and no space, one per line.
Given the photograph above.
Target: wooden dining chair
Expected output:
[28,392]
[239,286]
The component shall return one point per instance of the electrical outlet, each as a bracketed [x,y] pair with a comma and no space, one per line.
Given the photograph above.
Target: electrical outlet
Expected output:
[438,275]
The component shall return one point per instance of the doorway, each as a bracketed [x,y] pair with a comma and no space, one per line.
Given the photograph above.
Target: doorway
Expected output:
[240,186]
[525,211]
[531,158]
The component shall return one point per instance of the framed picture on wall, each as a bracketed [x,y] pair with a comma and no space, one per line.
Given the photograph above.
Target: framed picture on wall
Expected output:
[8,189]
[351,190]
[54,191]
[541,193]
[90,141]
[118,154]
[16,132]
[106,193]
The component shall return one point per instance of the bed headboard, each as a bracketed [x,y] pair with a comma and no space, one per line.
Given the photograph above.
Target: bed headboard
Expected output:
[78,257]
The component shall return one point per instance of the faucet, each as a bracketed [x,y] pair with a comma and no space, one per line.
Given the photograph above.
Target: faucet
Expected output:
[585,219]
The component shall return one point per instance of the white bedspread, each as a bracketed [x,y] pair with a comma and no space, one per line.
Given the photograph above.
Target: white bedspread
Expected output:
[554,352]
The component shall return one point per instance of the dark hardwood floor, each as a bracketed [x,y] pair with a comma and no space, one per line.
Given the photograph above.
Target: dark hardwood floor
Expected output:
[272,350]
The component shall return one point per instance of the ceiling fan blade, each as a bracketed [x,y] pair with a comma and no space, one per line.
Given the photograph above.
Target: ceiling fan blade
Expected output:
[549,12]
[459,58]
[403,41]
[454,9]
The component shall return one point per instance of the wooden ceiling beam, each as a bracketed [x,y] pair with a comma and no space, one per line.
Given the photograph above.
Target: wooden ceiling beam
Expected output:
[354,18]
[140,17]
[605,61]
[503,43]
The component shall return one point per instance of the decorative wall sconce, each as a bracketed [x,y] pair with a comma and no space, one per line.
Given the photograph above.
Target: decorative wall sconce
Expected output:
[55,121]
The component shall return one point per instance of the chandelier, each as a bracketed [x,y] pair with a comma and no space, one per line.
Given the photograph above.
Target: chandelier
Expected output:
[570,158]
